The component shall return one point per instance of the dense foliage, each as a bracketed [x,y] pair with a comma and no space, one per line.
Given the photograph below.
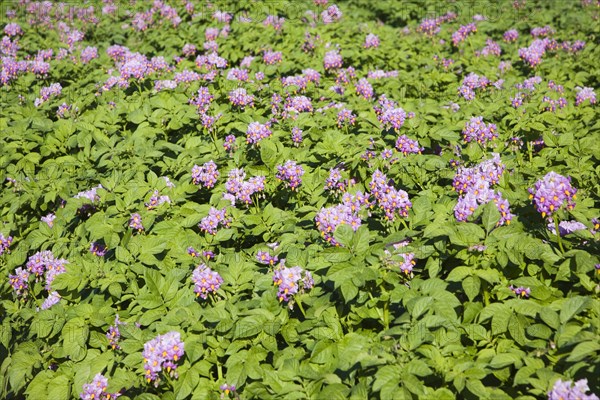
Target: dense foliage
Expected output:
[394,200]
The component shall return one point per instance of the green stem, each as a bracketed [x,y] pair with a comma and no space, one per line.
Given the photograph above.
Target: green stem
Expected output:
[556,227]
[486,294]
[300,307]
[220,371]
[386,315]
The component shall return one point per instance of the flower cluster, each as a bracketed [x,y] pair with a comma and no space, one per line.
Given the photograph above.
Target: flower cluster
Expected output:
[510,36]
[552,104]
[332,60]
[156,200]
[264,257]
[371,40]
[566,390]
[491,49]
[113,335]
[295,105]
[328,219]
[474,188]
[288,281]
[345,117]
[551,193]
[205,281]
[542,31]
[331,14]
[53,90]
[271,57]
[389,114]
[471,82]
[5,243]
[462,33]
[296,136]
[206,175]
[335,181]
[533,54]
[213,220]
[390,199]
[290,173]
[96,390]
[477,131]
[239,98]
[238,74]
[160,353]
[364,89]
[241,190]
[135,222]
[257,132]
[566,227]
[229,143]
[583,94]
[40,264]
[202,100]
[431,26]
[98,249]
[520,291]
[406,146]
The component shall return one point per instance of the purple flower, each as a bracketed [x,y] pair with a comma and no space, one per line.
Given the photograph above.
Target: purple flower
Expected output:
[335,181]
[476,130]
[511,35]
[566,227]
[53,90]
[271,57]
[584,94]
[98,249]
[96,390]
[229,142]
[533,54]
[20,281]
[161,353]
[331,14]
[390,199]
[5,243]
[13,29]
[296,136]
[364,89]
[462,33]
[205,281]
[332,60]
[264,257]
[407,146]
[520,291]
[406,267]
[156,200]
[551,192]
[257,132]
[371,41]
[345,117]
[239,98]
[213,220]
[288,281]
[202,100]
[135,222]
[113,334]
[565,391]
[206,175]
[290,173]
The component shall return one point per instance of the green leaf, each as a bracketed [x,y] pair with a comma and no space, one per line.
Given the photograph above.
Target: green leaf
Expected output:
[490,216]
[583,350]
[343,234]
[573,306]
[550,317]
[59,388]
[471,285]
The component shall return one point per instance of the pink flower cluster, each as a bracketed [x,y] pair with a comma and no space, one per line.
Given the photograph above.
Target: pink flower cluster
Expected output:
[331,14]
[332,60]
[583,94]
[202,100]
[206,175]
[162,353]
[510,36]
[345,117]
[205,281]
[471,82]
[364,89]
[346,213]
[371,40]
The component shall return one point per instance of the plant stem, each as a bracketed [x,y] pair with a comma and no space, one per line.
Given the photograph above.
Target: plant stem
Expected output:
[300,307]
[556,227]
